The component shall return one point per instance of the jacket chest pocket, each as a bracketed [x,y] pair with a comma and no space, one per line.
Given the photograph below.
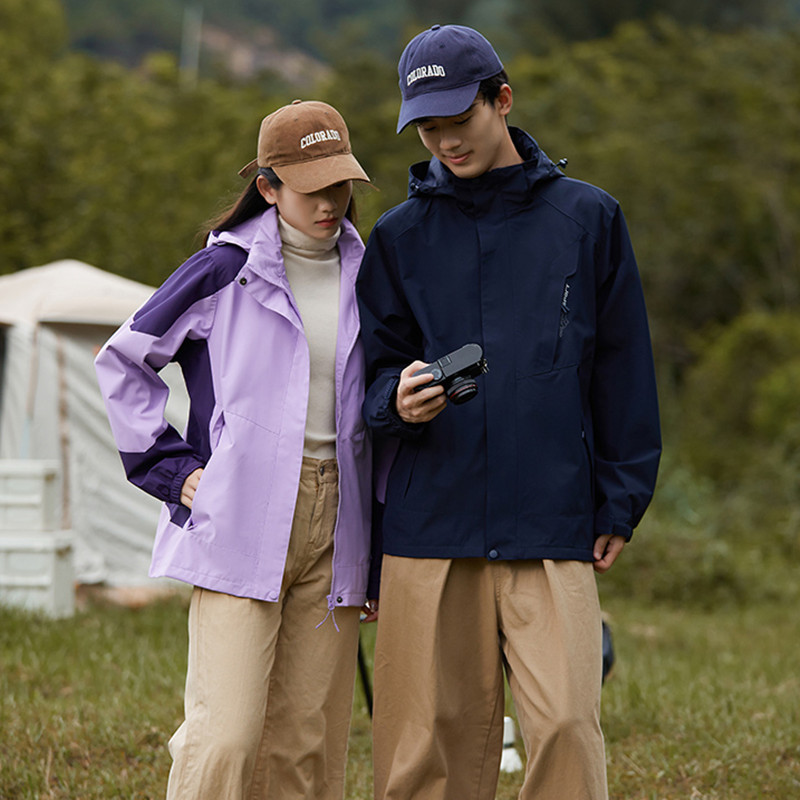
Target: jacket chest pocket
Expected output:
[546,331]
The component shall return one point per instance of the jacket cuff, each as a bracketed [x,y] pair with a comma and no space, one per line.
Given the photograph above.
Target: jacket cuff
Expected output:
[605,526]
[390,419]
[180,479]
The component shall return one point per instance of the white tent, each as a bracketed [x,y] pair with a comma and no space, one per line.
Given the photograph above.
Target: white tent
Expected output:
[53,321]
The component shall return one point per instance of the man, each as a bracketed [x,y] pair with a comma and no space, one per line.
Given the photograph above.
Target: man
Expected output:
[497,509]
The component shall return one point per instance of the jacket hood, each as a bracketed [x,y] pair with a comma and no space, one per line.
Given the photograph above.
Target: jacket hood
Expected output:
[433,178]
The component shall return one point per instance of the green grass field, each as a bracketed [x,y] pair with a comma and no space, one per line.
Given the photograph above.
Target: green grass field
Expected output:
[701,704]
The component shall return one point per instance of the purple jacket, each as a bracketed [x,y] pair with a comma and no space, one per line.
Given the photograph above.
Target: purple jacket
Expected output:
[229,318]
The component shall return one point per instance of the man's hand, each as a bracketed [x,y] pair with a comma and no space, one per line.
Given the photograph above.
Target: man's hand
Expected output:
[190,487]
[420,406]
[606,549]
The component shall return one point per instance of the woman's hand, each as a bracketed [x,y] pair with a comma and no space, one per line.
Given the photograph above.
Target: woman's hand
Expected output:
[190,487]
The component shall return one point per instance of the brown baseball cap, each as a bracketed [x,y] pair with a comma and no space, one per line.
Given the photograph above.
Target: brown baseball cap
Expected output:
[307,145]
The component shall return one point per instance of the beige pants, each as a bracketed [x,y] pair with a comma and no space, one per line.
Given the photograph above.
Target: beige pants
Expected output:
[268,693]
[446,630]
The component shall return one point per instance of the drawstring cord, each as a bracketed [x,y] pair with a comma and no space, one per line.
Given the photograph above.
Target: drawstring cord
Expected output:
[331,613]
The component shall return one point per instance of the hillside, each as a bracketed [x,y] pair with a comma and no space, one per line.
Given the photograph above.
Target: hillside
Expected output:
[237,38]
[243,38]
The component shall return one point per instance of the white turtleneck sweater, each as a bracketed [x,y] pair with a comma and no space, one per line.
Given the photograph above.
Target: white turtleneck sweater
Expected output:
[312,267]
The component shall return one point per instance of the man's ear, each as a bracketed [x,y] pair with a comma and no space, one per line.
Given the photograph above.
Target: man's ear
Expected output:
[504,101]
[266,191]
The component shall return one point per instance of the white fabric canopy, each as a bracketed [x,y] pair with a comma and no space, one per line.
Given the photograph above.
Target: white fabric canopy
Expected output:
[69,291]
[53,321]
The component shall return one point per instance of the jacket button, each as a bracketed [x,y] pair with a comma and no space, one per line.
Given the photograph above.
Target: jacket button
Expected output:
[322,470]
[243,281]
[493,554]
[340,600]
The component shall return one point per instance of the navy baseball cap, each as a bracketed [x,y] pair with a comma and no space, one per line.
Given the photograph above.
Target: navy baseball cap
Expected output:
[440,72]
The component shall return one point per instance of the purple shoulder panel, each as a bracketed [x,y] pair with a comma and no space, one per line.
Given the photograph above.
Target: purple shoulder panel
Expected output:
[204,274]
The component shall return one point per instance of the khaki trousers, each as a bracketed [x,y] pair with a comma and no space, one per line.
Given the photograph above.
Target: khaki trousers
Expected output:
[269,690]
[446,630]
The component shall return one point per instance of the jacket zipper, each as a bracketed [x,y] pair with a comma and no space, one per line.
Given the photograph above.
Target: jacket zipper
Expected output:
[564,320]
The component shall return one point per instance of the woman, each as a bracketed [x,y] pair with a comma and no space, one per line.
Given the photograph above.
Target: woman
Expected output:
[267,494]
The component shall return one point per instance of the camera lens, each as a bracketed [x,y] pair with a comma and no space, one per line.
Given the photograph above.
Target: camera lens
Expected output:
[461,390]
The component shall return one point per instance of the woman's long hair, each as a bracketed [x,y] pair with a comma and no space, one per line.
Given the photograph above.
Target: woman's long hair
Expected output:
[251,203]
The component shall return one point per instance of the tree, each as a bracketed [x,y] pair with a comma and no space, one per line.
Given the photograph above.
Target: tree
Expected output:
[545,22]
[32,35]
[698,135]
[125,30]
[114,167]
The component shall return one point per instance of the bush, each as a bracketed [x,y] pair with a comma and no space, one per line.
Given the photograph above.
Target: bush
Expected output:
[703,546]
[776,411]
[676,554]
[737,402]
[725,521]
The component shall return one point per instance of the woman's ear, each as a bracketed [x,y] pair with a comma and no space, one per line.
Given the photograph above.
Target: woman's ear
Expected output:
[266,191]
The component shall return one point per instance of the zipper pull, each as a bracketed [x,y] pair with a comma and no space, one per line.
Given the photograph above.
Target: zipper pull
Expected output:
[564,320]
[564,298]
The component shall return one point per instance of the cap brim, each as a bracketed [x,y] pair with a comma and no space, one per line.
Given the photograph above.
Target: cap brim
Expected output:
[249,169]
[311,176]
[444,103]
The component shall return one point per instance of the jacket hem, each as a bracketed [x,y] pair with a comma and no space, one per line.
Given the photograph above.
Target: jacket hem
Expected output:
[535,554]
[211,582]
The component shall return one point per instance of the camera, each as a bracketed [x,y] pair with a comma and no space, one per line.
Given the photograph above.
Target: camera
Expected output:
[456,372]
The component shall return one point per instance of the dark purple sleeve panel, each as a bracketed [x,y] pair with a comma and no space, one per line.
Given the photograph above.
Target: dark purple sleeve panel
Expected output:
[163,468]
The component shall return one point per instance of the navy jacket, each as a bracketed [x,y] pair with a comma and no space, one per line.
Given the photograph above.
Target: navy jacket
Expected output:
[562,443]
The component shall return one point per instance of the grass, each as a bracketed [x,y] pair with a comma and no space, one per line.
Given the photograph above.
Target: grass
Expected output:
[704,705]
[701,704]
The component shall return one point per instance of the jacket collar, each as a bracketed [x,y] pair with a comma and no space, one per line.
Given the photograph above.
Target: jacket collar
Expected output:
[260,238]
[434,178]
